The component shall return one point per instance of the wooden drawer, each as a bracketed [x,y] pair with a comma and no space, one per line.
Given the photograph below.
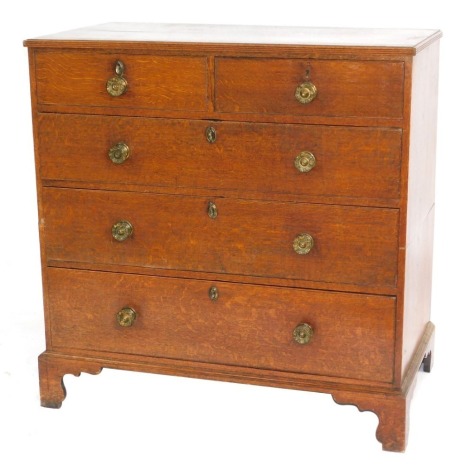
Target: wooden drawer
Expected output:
[247,325]
[155,82]
[352,245]
[344,87]
[350,162]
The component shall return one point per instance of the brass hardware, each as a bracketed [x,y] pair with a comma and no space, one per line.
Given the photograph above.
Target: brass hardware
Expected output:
[212,210]
[122,230]
[119,68]
[117,85]
[305,161]
[126,316]
[303,243]
[211,135]
[119,153]
[306,92]
[303,333]
[213,293]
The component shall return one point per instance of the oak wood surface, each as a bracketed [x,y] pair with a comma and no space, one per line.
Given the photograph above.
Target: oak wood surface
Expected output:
[228,193]
[247,325]
[328,120]
[245,156]
[344,88]
[367,40]
[386,402]
[368,203]
[393,409]
[420,206]
[38,182]
[52,371]
[227,277]
[156,82]
[352,245]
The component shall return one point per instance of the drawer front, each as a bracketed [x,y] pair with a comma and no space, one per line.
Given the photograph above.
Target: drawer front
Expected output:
[348,162]
[155,82]
[344,88]
[352,245]
[246,325]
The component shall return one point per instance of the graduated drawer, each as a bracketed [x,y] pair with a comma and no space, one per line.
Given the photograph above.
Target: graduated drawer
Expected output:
[349,162]
[344,87]
[352,245]
[154,82]
[246,325]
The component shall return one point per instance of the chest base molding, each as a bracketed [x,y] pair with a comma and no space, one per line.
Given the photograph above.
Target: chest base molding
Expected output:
[390,405]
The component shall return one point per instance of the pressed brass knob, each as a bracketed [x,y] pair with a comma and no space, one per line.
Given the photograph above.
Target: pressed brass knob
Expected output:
[303,243]
[117,85]
[305,161]
[306,92]
[212,210]
[303,333]
[126,316]
[122,230]
[210,134]
[213,293]
[119,153]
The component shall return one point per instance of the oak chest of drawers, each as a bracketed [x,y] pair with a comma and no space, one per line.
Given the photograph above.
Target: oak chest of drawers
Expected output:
[246,204]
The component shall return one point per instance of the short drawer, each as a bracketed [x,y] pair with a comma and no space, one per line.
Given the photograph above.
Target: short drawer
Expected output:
[155,82]
[344,88]
[246,325]
[351,245]
[329,161]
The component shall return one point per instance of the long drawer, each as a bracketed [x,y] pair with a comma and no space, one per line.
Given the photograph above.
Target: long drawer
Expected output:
[328,243]
[246,325]
[345,162]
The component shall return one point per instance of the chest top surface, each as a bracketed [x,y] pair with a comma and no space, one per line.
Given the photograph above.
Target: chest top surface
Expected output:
[405,41]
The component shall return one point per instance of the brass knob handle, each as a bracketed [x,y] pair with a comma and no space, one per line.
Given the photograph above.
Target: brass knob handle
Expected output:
[122,230]
[117,85]
[306,92]
[303,243]
[213,293]
[126,316]
[305,161]
[210,134]
[119,153]
[212,210]
[303,333]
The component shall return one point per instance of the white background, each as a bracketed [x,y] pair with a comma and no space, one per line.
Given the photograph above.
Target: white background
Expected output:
[127,420]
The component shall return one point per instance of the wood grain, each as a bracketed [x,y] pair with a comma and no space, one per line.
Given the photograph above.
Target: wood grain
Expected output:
[393,409]
[52,371]
[245,157]
[248,325]
[345,88]
[72,361]
[241,34]
[368,204]
[353,245]
[420,207]
[234,39]
[192,114]
[156,82]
